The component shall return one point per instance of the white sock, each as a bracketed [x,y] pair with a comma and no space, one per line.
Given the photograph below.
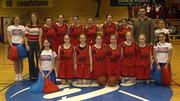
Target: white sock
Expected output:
[20,76]
[17,77]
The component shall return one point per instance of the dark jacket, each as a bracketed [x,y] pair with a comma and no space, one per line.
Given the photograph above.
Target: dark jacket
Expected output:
[146,27]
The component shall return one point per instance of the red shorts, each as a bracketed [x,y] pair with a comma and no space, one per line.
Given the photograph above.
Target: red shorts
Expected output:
[83,71]
[66,71]
[128,71]
[143,72]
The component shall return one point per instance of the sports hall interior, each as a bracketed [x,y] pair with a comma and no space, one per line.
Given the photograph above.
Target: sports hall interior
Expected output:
[69,8]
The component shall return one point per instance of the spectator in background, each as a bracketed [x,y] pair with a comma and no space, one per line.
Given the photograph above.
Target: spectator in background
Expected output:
[143,25]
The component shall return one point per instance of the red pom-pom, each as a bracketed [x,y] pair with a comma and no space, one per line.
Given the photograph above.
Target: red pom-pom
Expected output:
[166,77]
[13,53]
[112,81]
[101,80]
[49,86]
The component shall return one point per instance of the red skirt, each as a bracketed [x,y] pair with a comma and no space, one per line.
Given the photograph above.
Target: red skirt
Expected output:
[143,72]
[83,71]
[99,69]
[66,71]
[113,69]
[128,71]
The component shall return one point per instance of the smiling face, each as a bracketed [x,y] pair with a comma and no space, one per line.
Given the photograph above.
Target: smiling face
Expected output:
[99,39]
[142,12]
[142,39]
[46,44]
[113,39]
[16,20]
[162,38]
[109,19]
[82,38]
[48,21]
[90,21]
[128,36]
[61,18]
[66,39]
[34,18]
[75,20]
[161,24]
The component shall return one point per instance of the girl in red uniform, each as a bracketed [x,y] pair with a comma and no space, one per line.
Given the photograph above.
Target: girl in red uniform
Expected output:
[48,32]
[129,59]
[113,56]
[61,29]
[143,64]
[83,61]
[109,28]
[75,30]
[66,61]
[122,29]
[90,30]
[98,56]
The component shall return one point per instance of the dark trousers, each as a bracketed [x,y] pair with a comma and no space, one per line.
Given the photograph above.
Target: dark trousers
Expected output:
[33,63]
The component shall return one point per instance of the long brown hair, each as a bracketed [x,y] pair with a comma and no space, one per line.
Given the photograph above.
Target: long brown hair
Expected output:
[12,20]
[30,21]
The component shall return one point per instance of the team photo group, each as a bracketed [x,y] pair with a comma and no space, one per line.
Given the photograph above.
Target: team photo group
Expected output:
[111,53]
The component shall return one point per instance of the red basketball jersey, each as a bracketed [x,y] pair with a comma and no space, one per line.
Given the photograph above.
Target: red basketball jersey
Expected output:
[82,55]
[99,61]
[75,32]
[91,34]
[113,57]
[107,31]
[129,54]
[143,55]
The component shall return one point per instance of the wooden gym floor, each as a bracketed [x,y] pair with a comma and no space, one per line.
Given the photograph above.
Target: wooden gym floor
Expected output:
[7,72]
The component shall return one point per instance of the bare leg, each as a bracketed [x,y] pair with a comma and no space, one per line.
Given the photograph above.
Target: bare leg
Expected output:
[20,63]
[80,81]
[69,81]
[88,81]
[63,81]
[16,67]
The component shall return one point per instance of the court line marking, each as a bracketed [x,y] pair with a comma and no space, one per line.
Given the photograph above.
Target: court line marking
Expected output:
[60,86]
[85,85]
[134,96]
[10,84]
[19,92]
[66,91]
[92,94]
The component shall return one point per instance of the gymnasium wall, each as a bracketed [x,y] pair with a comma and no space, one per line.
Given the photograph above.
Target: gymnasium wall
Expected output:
[82,8]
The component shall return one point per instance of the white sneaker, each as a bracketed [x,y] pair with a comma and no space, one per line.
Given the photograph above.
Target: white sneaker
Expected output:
[20,76]
[17,77]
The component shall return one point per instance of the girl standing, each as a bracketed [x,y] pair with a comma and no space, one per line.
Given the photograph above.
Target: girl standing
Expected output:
[83,61]
[99,58]
[162,52]
[122,29]
[66,61]
[48,32]
[143,52]
[61,29]
[90,30]
[129,59]
[33,30]
[75,30]
[109,28]
[113,60]
[16,34]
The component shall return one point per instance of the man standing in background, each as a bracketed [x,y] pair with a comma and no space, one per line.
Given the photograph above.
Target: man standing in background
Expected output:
[143,25]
